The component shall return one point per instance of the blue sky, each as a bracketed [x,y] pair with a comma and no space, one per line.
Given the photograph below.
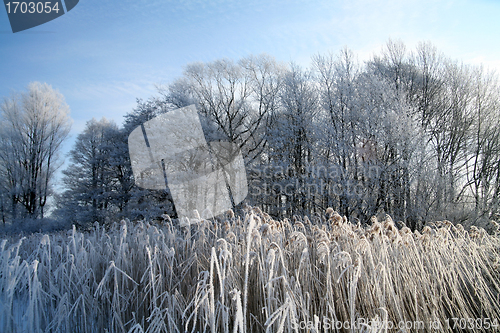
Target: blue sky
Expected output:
[103,55]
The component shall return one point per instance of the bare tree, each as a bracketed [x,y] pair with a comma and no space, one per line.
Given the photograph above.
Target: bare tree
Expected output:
[338,88]
[482,166]
[292,140]
[34,124]
[235,100]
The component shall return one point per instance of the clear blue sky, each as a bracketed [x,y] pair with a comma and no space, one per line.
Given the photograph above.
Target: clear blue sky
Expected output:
[104,54]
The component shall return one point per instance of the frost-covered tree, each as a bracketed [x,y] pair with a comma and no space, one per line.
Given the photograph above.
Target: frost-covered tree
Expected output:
[337,84]
[388,124]
[291,146]
[410,134]
[145,111]
[34,124]
[369,138]
[90,179]
[99,181]
[235,100]
[456,107]
[280,181]
[482,164]
[141,203]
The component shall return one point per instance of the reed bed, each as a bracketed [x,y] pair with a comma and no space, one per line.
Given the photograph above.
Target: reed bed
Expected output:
[251,273]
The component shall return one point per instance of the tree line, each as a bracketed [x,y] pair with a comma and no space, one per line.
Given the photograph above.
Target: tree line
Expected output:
[409,133]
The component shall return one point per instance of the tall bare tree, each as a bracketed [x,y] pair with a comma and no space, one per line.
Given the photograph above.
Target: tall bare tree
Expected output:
[235,100]
[34,124]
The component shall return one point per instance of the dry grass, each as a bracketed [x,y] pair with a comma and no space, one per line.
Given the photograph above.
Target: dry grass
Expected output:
[248,275]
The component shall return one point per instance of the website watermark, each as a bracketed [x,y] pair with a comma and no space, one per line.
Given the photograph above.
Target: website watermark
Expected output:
[317,180]
[25,15]
[330,171]
[327,324]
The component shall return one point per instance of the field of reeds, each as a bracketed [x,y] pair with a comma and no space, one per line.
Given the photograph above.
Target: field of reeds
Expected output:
[252,274]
